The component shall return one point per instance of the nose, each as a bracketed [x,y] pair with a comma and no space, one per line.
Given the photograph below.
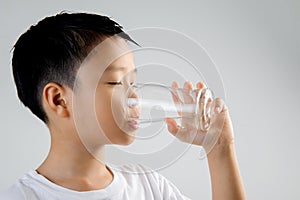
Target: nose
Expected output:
[132,102]
[132,98]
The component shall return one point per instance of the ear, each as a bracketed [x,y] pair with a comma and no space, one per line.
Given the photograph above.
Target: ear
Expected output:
[56,99]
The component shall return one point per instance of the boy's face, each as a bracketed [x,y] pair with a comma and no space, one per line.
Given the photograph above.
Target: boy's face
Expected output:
[102,82]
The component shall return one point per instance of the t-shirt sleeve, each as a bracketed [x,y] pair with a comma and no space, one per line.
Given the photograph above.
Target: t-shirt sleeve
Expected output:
[12,193]
[168,189]
[160,185]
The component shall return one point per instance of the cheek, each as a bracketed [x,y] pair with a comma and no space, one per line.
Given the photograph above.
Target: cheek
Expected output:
[111,117]
[109,111]
[103,106]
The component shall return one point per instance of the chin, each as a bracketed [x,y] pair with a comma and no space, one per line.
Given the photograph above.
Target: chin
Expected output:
[128,139]
[122,137]
[127,142]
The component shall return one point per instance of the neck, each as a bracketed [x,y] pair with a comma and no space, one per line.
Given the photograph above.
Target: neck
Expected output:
[71,165]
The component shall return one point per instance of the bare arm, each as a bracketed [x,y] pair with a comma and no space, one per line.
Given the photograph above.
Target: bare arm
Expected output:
[225,174]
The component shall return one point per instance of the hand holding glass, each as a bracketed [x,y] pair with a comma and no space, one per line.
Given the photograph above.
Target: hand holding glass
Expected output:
[154,102]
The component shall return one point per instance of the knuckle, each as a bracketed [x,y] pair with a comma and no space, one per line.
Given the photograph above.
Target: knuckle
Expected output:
[218,101]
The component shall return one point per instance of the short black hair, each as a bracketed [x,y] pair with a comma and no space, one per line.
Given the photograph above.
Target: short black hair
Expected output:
[52,51]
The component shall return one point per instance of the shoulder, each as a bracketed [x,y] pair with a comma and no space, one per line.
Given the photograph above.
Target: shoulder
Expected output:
[132,168]
[21,189]
[137,175]
[14,192]
[137,172]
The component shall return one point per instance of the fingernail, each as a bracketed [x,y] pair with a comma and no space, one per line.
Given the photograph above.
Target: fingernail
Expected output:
[218,109]
[169,125]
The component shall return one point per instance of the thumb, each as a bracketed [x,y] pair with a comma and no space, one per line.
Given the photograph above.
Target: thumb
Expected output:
[172,126]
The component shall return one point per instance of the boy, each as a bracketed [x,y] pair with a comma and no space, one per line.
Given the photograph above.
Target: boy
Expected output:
[56,81]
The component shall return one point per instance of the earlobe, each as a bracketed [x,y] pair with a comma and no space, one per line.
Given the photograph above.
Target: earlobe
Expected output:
[55,99]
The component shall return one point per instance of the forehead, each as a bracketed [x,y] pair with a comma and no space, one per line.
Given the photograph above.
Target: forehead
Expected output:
[111,55]
[124,63]
[109,50]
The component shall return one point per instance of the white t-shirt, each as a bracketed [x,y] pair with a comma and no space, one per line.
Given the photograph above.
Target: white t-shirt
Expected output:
[129,182]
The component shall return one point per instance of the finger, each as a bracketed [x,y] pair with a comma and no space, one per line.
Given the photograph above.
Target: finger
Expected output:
[221,127]
[184,134]
[189,102]
[219,110]
[219,106]
[175,84]
[172,126]
[187,97]
[176,97]
[199,86]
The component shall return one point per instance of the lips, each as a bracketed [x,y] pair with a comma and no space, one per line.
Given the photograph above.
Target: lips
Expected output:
[134,122]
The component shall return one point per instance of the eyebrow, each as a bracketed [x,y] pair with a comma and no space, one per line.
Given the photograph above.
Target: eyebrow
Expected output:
[113,68]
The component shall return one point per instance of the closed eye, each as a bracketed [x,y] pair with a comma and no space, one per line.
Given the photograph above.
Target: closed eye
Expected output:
[114,83]
[119,83]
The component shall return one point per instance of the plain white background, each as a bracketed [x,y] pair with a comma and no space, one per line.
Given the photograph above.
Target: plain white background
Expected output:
[256,45]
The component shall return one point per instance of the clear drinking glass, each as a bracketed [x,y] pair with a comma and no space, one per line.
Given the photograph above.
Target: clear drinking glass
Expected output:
[155,102]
